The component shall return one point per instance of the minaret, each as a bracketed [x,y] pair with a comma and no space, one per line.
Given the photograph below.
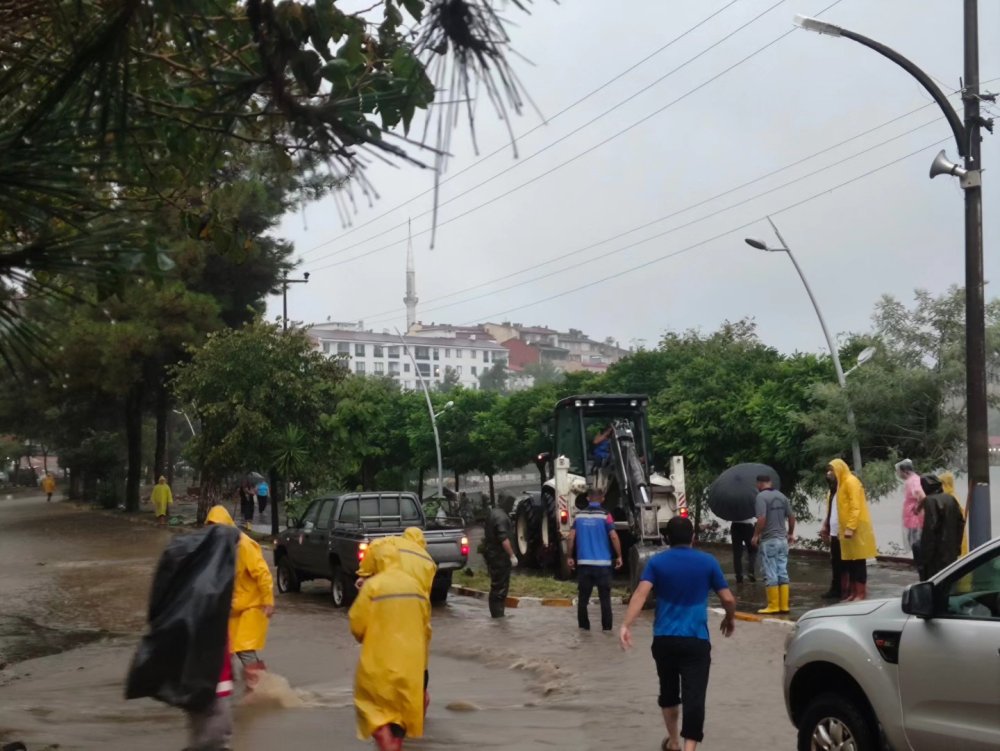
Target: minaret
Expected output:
[411,283]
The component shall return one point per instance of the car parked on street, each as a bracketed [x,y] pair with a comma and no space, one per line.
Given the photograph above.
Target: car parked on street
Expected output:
[331,538]
[918,672]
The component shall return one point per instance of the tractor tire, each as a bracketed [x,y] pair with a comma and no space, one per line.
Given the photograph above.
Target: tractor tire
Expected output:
[636,564]
[526,541]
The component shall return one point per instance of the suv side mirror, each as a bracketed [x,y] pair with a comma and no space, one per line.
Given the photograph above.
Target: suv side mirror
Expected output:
[918,600]
[292,523]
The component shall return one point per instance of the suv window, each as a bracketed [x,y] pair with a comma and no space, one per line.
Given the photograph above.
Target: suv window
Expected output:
[309,517]
[976,595]
[369,511]
[323,521]
[408,511]
[349,512]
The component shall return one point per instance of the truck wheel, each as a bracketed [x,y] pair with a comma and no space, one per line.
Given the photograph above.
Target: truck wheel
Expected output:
[440,588]
[522,536]
[288,579]
[835,721]
[636,563]
[342,589]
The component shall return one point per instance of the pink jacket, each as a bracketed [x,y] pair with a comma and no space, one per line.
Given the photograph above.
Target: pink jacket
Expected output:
[912,517]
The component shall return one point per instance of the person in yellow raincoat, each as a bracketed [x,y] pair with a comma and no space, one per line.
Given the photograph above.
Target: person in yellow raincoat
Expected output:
[857,536]
[392,619]
[161,497]
[948,486]
[48,486]
[253,600]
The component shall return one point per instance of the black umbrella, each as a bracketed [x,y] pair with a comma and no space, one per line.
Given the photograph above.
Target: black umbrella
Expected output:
[254,477]
[732,495]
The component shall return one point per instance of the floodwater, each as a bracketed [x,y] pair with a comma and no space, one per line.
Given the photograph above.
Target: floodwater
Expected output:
[73,588]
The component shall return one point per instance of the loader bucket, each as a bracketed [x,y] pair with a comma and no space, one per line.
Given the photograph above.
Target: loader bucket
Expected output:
[638,557]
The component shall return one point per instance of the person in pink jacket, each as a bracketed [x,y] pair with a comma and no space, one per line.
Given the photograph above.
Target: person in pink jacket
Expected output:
[913,514]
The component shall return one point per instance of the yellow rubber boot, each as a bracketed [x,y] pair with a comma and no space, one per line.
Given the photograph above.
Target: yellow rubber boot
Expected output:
[783,596]
[772,602]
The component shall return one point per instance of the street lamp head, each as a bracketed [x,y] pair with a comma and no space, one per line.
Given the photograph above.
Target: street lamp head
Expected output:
[820,27]
[306,276]
[449,405]
[755,243]
[866,354]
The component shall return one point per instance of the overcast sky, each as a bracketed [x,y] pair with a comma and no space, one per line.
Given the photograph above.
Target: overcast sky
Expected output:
[889,232]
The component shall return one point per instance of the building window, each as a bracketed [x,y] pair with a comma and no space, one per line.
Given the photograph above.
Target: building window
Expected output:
[424,368]
[327,346]
[394,352]
[458,354]
[498,361]
[359,367]
[379,368]
[406,367]
[486,355]
[458,369]
[437,371]
[422,353]
[447,353]
[437,354]
[343,348]
[474,370]
[394,368]
[359,350]
[379,350]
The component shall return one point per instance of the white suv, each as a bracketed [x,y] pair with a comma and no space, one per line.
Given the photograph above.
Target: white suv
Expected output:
[918,672]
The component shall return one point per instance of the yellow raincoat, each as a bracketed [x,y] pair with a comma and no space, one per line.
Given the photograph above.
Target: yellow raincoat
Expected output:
[948,486]
[852,511]
[413,558]
[252,590]
[392,620]
[161,497]
[48,484]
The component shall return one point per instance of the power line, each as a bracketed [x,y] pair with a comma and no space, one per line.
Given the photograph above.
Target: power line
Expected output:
[569,161]
[527,133]
[711,239]
[672,230]
[760,178]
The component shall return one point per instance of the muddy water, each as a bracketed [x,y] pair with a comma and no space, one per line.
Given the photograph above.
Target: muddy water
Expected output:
[73,588]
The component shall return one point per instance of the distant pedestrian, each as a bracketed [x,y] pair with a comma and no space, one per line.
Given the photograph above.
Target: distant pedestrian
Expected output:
[592,538]
[948,485]
[829,533]
[499,556]
[742,537]
[681,579]
[774,532]
[246,504]
[253,601]
[857,536]
[944,527]
[391,618]
[263,491]
[913,515]
[48,486]
[161,497]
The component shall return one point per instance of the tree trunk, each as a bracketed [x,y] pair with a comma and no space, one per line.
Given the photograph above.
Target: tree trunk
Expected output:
[420,484]
[456,482]
[162,418]
[74,483]
[272,481]
[133,435]
[45,460]
[493,498]
[170,452]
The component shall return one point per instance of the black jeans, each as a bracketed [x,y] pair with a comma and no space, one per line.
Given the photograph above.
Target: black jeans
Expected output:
[742,534]
[836,565]
[682,664]
[588,577]
[261,503]
[857,571]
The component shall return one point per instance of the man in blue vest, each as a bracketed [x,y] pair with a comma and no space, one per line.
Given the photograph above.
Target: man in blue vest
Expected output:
[590,541]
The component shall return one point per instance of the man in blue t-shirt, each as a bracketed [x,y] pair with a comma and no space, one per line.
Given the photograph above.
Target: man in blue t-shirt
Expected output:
[592,537]
[681,578]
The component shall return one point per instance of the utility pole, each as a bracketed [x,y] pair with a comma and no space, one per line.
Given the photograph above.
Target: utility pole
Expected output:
[285,281]
[980,524]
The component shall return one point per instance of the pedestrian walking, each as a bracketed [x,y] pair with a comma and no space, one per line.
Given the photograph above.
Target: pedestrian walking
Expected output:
[944,527]
[829,533]
[253,601]
[742,537]
[263,491]
[913,515]
[774,532]
[391,619]
[499,556]
[161,497]
[948,486]
[591,540]
[48,486]
[184,659]
[857,536]
[246,504]
[681,579]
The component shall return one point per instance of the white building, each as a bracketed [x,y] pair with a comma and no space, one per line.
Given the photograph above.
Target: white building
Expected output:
[368,353]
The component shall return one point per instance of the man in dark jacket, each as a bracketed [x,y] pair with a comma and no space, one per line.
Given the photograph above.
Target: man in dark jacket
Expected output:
[499,556]
[941,539]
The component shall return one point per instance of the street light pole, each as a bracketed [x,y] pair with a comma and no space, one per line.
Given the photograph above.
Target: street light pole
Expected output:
[967,141]
[285,281]
[430,411]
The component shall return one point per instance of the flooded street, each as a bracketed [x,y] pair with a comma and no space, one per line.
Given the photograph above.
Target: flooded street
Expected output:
[74,583]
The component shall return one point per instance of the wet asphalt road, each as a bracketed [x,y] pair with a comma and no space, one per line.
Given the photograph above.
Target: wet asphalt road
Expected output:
[73,584]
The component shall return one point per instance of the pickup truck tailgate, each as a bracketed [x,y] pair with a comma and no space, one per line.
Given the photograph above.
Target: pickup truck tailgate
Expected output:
[445,547]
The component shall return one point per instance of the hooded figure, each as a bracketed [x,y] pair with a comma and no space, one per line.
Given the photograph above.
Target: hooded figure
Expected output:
[948,485]
[413,558]
[857,536]
[253,596]
[392,620]
[161,497]
[944,526]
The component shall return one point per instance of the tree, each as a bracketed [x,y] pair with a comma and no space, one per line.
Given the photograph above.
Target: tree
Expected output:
[544,373]
[450,381]
[494,379]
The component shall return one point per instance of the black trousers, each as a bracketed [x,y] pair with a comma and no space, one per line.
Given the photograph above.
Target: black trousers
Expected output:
[857,571]
[588,577]
[499,568]
[836,565]
[261,503]
[742,534]
[682,664]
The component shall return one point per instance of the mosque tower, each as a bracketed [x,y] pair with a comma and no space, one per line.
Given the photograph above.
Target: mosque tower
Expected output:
[411,285]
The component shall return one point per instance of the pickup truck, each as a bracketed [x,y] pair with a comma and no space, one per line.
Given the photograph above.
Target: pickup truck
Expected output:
[331,538]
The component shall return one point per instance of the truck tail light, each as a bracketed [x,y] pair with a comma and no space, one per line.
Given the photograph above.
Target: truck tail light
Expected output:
[887,644]
[465,546]
[362,550]
[683,512]
[563,516]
